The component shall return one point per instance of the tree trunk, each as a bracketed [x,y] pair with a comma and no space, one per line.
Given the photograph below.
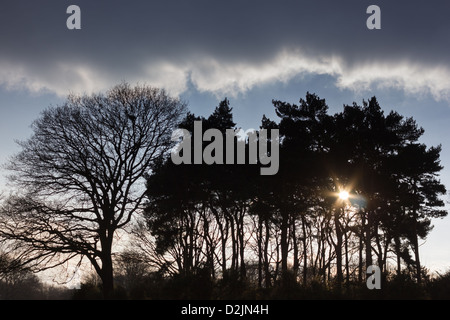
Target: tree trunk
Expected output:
[368,240]
[107,277]
[305,251]
[296,257]
[361,248]
[240,229]
[224,237]
[416,249]
[347,266]
[417,258]
[284,244]
[266,254]
[379,247]
[415,237]
[398,253]
[260,253]
[338,248]
[106,270]
[234,253]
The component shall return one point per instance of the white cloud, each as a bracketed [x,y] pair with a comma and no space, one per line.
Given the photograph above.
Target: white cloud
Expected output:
[66,77]
[231,78]
[413,78]
[169,76]
[236,77]
[61,79]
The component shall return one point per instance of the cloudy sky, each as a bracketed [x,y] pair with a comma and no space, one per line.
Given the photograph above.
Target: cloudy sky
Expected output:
[250,51]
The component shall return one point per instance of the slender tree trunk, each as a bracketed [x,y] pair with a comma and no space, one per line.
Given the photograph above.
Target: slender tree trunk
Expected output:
[379,248]
[329,264]
[361,248]
[347,267]
[368,240]
[317,259]
[323,239]
[234,246]
[305,251]
[266,254]
[385,252]
[224,236]
[284,244]
[278,257]
[398,253]
[296,257]
[338,246]
[191,246]
[260,253]
[415,237]
[416,249]
[417,258]
[210,247]
[240,229]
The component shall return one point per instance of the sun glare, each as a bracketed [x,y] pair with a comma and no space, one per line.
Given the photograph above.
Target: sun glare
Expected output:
[343,195]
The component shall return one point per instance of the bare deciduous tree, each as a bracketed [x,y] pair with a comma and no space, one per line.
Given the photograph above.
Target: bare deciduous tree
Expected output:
[79,177]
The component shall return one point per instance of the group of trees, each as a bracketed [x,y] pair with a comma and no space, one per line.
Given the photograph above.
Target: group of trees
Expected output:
[101,164]
[230,218]
[17,283]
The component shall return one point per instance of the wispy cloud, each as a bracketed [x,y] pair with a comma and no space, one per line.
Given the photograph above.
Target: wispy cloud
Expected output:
[410,77]
[231,78]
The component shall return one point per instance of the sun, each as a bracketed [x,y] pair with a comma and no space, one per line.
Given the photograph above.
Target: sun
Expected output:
[343,195]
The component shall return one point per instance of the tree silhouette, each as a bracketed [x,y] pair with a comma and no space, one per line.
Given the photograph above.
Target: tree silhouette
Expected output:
[78,177]
[300,228]
[375,154]
[419,193]
[201,208]
[239,233]
[303,129]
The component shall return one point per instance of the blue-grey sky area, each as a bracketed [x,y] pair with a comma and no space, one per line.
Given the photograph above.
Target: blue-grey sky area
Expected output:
[250,51]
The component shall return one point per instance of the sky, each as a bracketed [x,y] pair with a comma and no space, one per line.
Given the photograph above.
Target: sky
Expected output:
[250,51]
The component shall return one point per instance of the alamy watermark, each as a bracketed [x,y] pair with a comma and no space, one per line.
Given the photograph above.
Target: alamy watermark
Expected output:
[74,20]
[374,277]
[236,142]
